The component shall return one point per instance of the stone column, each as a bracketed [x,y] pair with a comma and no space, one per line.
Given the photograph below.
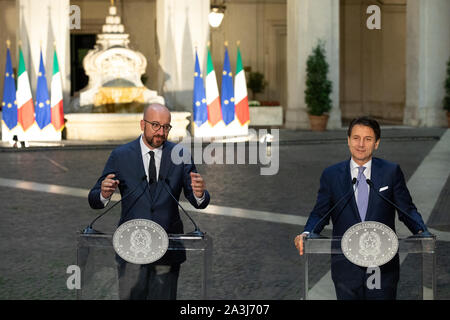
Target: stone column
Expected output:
[427,53]
[308,21]
[182,25]
[43,23]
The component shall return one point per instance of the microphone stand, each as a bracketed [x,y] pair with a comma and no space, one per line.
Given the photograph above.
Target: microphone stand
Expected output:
[424,234]
[312,234]
[90,230]
[197,232]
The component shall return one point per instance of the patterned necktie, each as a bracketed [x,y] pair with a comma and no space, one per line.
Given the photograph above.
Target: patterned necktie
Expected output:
[363,193]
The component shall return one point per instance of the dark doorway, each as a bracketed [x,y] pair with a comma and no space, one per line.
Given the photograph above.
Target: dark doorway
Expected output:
[80,44]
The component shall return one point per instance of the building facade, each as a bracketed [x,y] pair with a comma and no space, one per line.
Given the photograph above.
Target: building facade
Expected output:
[395,74]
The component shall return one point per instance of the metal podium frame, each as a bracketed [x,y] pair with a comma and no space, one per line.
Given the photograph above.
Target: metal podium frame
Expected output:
[418,245]
[185,242]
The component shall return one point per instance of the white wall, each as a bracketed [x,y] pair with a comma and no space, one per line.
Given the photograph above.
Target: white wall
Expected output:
[41,24]
[428,51]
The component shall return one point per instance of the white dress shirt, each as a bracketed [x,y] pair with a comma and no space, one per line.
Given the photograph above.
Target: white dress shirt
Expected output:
[146,161]
[146,157]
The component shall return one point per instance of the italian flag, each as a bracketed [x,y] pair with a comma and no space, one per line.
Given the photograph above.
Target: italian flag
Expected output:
[212,94]
[240,92]
[56,99]
[25,106]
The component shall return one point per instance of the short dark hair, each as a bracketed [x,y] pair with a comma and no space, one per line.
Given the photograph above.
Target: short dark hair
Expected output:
[368,122]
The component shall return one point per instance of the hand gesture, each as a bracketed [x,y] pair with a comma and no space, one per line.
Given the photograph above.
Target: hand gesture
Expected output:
[197,184]
[109,185]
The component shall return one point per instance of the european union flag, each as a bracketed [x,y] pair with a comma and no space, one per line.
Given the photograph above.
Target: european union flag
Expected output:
[227,91]
[199,99]
[9,103]
[42,108]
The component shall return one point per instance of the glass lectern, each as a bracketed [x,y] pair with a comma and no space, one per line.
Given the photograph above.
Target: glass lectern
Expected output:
[417,268]
[99,276]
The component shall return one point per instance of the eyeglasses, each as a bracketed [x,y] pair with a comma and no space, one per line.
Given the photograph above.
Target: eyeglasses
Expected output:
[156,126]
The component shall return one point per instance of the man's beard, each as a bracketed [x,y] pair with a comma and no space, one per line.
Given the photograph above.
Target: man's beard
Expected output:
[152,143]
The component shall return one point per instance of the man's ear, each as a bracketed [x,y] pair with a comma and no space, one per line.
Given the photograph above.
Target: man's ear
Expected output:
[142,125]
[377,144]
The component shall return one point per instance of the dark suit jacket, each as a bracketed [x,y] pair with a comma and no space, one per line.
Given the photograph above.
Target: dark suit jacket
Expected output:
[126,163]
[335,182]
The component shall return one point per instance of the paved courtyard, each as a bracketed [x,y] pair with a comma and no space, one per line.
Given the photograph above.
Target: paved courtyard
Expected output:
[252,218]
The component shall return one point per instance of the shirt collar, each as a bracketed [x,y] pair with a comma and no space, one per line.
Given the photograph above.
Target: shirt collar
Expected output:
[354,165]
[146,150]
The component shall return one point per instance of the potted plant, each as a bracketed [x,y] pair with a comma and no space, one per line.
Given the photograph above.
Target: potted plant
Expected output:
[318,88]
[256,83]
[447,93]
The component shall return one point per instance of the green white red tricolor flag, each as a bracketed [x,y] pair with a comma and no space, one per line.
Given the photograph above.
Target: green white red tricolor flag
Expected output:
[56,99]
[240,92]
[212,94]
[25,106]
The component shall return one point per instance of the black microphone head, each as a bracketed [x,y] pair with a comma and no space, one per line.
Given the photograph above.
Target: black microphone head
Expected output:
[354,180]
[369,182]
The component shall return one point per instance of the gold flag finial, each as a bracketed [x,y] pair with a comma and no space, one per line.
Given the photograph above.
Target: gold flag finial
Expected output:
[226,43]
[238,43]
[8,43]
[208,44]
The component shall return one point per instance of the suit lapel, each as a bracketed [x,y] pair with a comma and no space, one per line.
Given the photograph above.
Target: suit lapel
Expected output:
[139,163]
[375,178]
[346,182]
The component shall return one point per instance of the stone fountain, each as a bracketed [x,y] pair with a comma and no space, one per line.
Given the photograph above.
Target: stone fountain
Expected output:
[115,95]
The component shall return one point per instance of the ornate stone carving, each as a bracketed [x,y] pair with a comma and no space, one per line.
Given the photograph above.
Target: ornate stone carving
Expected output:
[114,69]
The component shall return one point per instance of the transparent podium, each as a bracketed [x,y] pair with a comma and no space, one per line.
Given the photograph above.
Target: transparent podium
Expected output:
[99,272]
[417,268]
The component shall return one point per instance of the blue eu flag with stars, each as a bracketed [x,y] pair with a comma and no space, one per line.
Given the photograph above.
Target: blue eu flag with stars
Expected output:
[9,103]
[227,91]
[42,108]
[200,108]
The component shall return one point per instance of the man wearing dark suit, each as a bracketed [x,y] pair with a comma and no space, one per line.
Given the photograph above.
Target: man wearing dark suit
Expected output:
[144,165]
[362,205]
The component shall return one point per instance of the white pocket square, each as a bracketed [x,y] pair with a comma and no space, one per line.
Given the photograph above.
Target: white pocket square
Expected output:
[384,188]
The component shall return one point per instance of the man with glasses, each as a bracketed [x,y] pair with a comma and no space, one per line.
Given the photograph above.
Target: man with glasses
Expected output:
[143,165]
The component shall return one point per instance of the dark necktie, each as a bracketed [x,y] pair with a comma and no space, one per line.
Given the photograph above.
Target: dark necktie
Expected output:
[152,169]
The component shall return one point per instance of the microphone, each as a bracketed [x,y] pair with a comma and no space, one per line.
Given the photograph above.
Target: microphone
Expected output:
[315,235]
[90,230]
[424,233]
[197,232]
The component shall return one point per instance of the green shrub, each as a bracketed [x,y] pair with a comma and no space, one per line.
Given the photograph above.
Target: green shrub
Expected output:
[256,83]
[318,87]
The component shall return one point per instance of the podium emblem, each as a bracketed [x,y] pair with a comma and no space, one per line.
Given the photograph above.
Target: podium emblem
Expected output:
[369,244]
[140,241]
